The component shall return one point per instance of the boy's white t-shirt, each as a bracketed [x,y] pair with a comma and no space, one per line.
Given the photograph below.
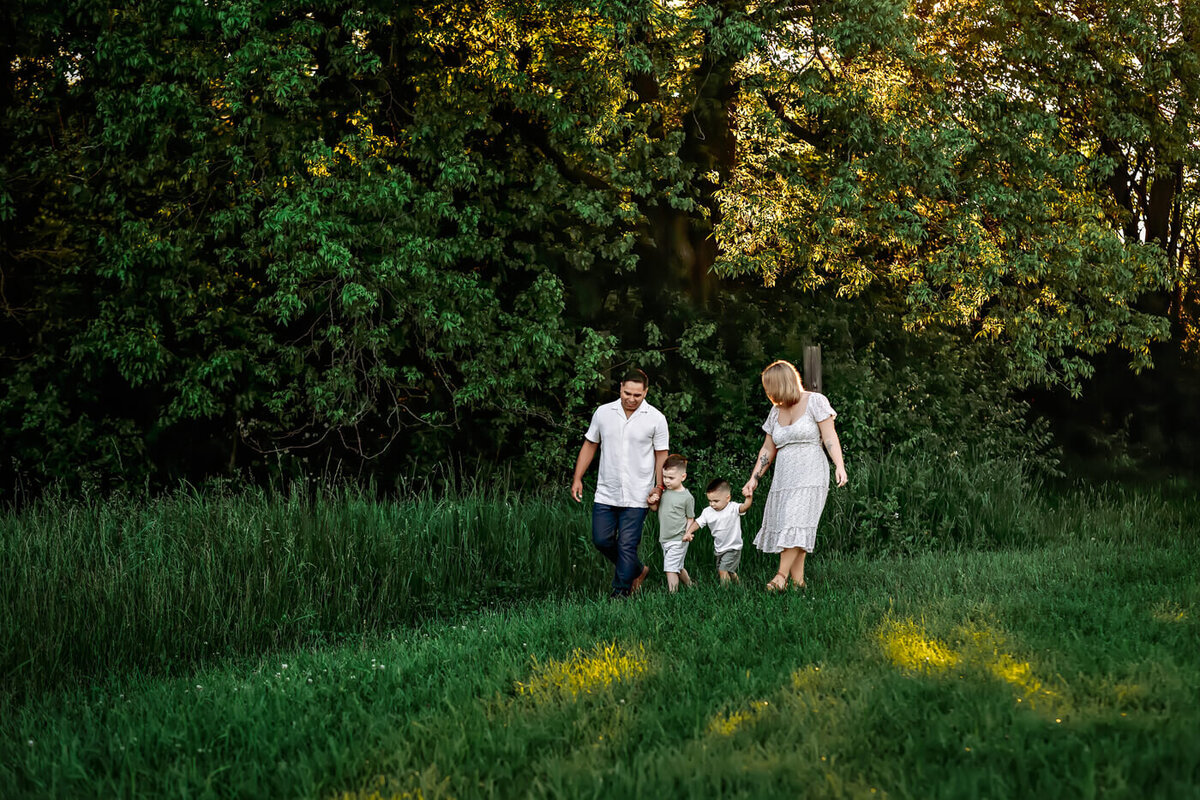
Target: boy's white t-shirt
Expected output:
[726,526]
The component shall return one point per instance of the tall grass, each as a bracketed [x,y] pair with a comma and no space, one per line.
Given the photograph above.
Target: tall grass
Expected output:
[121,584]
[96,587]
[912,503]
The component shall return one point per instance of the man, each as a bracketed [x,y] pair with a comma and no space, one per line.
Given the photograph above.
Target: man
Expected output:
[631,435]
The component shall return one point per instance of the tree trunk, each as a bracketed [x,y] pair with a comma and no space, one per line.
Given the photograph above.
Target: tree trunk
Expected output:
[684,239]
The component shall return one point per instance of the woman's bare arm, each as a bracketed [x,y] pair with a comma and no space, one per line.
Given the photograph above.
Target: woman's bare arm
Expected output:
[833,445]
[766,455]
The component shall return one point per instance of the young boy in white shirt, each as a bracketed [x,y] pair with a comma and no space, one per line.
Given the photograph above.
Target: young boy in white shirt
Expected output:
[723,518]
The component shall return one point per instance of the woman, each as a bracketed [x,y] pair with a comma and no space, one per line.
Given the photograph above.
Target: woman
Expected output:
[798,423]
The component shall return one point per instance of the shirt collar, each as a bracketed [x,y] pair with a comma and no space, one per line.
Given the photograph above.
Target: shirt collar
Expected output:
[644,408]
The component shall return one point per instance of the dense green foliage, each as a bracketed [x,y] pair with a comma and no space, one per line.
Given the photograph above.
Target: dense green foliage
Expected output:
[92,589]
[359,249]
[331,236]
[1064,669]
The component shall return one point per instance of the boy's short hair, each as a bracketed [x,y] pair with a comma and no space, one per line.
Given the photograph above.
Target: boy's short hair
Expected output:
[718,485]
[636,376]
[675,461]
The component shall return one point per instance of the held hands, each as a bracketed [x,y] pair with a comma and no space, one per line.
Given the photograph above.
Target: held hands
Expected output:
[687,537]
[748,501]
[748,489]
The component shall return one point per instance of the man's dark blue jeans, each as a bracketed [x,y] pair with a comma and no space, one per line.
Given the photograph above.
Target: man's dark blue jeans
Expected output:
[617,532]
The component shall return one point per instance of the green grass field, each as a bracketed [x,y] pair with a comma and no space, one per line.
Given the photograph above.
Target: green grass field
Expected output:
[1068,666]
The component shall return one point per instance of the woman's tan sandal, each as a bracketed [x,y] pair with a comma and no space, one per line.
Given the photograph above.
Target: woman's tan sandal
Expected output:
[774,587]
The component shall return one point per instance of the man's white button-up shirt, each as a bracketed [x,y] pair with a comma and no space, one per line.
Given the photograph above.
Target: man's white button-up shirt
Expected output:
[627,446]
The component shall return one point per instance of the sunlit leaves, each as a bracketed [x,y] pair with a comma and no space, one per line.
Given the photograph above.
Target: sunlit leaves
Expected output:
[327,221]
[871,152]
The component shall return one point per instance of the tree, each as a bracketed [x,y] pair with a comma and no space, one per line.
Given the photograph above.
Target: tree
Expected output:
[375,231]
[896,145]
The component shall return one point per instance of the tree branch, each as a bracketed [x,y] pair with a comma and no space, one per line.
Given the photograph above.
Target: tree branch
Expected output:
[796,129]
[537,136]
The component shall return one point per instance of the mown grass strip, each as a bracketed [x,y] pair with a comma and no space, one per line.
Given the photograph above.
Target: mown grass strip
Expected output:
[1059,675]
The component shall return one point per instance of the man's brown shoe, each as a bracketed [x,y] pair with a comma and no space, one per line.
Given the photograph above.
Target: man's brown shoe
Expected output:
[636,585]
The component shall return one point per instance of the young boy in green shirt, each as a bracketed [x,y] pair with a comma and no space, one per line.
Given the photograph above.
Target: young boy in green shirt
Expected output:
[676,510]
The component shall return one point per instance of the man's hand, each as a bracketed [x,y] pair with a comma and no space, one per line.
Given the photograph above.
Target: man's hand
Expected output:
[587,451]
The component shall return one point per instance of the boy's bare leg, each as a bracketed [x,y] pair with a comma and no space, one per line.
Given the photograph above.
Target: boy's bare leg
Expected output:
[723,575]
[672,582]
[683,576]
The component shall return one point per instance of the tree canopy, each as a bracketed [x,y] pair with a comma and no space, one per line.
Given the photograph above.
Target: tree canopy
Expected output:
[322,228]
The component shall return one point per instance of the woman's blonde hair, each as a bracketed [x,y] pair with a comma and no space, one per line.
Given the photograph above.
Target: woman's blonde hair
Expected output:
[782,383]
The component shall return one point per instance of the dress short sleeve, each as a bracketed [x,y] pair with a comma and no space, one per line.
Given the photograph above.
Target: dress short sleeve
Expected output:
[769,426]
[819,407]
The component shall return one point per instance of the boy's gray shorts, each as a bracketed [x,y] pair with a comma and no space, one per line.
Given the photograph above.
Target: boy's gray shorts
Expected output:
[729,561]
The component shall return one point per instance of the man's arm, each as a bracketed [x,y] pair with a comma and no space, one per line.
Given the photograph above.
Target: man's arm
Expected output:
[660,458]
[584,460]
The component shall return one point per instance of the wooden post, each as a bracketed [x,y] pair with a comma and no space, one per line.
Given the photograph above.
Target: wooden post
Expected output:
[811,373]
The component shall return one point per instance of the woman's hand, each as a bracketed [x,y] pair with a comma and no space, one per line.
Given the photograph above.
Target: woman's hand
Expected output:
[749,488]
[839,475]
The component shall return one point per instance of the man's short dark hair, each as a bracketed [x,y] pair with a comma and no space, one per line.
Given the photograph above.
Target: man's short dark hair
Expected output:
[718,485]
[675,461]
[636,376]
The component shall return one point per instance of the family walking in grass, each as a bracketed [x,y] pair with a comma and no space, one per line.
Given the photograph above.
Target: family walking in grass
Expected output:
[638,474]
